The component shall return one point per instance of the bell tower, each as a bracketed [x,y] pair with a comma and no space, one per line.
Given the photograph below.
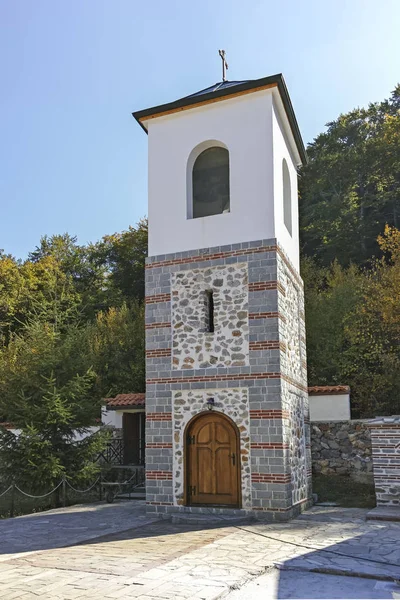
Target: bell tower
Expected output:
[227,421]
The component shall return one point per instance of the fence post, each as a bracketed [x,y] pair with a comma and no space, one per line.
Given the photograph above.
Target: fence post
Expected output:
[100,487]
[12,506]
[64,492]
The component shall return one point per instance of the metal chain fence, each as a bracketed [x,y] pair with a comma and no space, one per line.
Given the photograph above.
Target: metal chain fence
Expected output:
[15,501]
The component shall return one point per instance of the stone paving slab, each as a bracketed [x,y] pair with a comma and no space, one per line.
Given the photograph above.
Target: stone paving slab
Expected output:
[161,560]
[283,585]
[70,525]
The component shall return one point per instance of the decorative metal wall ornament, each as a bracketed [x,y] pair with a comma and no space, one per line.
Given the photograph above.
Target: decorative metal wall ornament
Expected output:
[210,403]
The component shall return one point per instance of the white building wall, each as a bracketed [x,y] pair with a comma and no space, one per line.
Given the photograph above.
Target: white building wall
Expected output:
[112,418]
[244,126]
[330,407]
[282,150]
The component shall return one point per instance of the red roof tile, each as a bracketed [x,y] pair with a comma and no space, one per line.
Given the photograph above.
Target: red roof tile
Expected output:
[7,425]
[326,390]
[135,400]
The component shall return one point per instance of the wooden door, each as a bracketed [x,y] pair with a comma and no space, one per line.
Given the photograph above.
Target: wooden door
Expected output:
[213,461]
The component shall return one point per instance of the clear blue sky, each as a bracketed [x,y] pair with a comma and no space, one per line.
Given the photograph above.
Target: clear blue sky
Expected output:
[73,159]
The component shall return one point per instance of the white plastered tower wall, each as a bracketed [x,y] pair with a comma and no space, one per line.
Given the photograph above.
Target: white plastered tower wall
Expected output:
[248,127]
[261,383]
[283,150]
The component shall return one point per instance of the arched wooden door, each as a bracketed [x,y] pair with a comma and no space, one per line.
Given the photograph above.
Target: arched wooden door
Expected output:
[212,461]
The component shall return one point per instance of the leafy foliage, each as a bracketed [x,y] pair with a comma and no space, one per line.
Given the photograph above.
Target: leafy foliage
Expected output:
[71,333]
[351,186]
[353,328]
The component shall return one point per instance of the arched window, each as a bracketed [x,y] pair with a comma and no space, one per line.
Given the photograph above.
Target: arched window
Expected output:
[210,183]
[287,197]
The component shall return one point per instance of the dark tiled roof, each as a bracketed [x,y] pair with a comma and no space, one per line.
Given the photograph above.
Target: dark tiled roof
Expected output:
[220,85]
[126,400]
[224,89]
[326,390]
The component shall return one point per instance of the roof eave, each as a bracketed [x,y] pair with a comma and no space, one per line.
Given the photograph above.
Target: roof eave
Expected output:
[125,407]
[191,101]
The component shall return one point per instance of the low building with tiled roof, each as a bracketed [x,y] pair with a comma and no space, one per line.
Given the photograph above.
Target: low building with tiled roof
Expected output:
[126,401]
[329,403]
[125,414]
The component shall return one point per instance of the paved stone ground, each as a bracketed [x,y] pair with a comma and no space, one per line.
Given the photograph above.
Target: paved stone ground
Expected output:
[283,585]
[60,554]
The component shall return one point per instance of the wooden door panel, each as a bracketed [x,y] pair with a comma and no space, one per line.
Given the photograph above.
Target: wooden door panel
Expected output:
[204,467]
[223,471]
[221,434]
[212,474]
[204,434]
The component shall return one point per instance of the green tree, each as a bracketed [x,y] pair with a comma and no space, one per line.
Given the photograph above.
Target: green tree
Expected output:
[116,349]
[372,357]
[331,294]
[47,391]
[123,255]
[351,185]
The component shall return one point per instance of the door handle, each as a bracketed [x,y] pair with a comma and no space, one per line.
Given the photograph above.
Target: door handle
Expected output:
[233,457]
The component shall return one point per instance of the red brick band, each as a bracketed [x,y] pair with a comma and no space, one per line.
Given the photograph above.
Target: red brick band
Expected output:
[384,426]
[295,383]
[157,325]
[164,475]
[156,298]
[261,286]
[271,477]
[158,445]
[392,456]
[267,315]
[269,414]
[216,256]
[233,377]
[158,416]
[158,352]
[270,445]
[268,345]
[289,265]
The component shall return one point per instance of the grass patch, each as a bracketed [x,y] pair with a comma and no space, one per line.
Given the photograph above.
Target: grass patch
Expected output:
[344,491]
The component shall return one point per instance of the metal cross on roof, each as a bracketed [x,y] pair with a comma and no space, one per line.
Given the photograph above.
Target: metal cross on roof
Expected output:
[224,64]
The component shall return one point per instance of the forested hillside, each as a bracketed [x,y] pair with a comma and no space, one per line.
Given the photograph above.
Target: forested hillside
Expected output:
[72,316]
[349,220]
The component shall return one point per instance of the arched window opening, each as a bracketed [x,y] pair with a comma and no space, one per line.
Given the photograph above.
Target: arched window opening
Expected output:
[210,183]
[287,197]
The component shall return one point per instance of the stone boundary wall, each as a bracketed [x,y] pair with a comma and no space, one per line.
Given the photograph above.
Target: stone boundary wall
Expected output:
[385,435]
[342,448]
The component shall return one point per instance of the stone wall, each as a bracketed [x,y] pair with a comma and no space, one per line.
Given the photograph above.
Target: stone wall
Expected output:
[192,346]
[258,318]
[385,436]
[234,403]
[342,448]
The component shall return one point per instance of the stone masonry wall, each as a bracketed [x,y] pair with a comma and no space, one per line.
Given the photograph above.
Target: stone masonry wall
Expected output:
[232,402]
[294,370]
[192,346]
[275,390]
[342,448]
[385,436]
